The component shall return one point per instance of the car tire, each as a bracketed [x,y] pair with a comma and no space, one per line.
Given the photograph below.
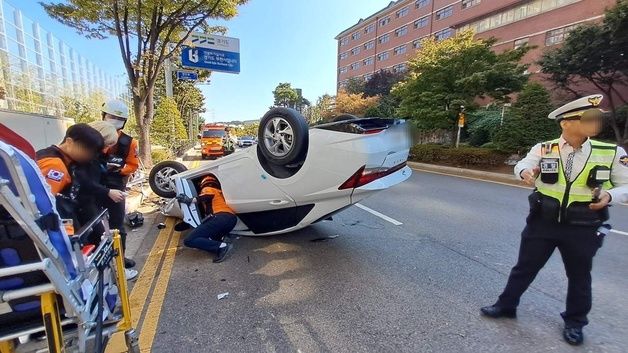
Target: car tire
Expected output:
[283,136]
[160,178]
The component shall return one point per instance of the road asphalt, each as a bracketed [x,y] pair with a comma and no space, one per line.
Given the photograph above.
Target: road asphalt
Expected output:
[366,283]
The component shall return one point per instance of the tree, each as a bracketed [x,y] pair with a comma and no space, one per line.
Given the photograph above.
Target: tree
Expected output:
[149,32]
[386,108]
[285,95]
[381,83]
[527,124]
[355,85]
[322,110]
[596,54]
[446,74]
[84,109]
[167,127]
[355,104]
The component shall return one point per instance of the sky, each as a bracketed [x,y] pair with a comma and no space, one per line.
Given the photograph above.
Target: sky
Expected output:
[280,41]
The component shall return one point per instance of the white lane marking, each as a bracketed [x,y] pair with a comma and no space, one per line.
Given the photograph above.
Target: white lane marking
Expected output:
[619,232]
[382,216]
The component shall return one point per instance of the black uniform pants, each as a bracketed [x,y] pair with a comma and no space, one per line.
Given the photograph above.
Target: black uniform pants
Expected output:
[117,212]
[577,246]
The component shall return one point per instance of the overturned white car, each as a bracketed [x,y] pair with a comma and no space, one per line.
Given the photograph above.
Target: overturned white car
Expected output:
[297,175]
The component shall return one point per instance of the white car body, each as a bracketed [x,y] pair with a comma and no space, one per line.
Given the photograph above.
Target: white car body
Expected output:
[268,205]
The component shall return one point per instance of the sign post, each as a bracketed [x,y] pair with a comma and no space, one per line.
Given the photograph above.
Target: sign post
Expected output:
[461,121]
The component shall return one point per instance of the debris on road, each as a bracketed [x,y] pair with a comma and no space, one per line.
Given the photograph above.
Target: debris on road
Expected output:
[222,295]
[161,226]
[322,239]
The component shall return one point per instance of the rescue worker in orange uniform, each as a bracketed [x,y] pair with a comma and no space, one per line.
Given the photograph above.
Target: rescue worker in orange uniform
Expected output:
[58,165]
[219,220]
[122,161]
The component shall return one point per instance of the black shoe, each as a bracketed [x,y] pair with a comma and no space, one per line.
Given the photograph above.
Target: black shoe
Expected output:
[497,312]
[128,263]
[223,252]
[573,335]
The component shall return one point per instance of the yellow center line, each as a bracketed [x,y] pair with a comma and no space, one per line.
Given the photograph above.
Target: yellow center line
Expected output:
[143,284]
[151,319]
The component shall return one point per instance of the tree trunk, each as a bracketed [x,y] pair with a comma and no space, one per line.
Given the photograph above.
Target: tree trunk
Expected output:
[147,121]
[144,140]
[616,130]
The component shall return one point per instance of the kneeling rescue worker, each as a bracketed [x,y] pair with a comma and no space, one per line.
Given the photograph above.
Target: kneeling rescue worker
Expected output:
[218,222]
[576,179]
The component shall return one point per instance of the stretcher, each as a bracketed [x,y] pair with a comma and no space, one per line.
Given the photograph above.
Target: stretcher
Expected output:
[57,293]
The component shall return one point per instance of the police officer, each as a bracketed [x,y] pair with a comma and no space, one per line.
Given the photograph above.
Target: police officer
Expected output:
[122,161]
[576,179]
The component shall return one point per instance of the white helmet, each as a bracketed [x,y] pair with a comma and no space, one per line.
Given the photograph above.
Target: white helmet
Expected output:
[116,108]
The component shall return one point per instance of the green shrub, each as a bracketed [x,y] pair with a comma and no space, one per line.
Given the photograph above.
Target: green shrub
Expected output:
[463,156]
[160,155]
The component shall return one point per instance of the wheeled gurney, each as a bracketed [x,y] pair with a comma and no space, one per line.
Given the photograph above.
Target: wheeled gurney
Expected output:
[57,293]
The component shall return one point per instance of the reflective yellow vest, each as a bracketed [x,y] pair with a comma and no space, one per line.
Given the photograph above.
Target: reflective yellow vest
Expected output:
[566,193]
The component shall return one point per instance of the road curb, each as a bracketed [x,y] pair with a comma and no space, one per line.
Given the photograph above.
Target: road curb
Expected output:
[468,173]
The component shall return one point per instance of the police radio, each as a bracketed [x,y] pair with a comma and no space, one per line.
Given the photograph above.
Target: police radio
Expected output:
[597,177]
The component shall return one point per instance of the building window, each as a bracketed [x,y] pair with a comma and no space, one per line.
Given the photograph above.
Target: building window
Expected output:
[384,39]
[368,61]
[355,36]
[370,28]
[444,34]
[384,21]
[517,14]
[368,77]
[470,3]
[355,51]
[400,50]
[403,12]
[418,43]
[400,68]
[444,13]
[521,42]
[355,65]
[558,35]
[344,55]
[343,83]
[382,56]
[344,41]
[419,4]
[401,31]
[343,70]
[422,22]
[369,45]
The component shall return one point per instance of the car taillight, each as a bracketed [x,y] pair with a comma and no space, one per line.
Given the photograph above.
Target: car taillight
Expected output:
[367,175]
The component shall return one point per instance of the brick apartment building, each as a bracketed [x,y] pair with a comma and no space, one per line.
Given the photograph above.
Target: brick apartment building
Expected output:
[386,39]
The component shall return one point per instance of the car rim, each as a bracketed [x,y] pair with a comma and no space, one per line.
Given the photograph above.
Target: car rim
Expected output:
[163,179]
[278,137]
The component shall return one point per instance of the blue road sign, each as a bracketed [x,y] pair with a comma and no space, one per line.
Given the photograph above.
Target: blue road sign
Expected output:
[187,75]
[211,59]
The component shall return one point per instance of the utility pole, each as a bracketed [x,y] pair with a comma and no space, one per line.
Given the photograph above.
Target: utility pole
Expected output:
[168,72]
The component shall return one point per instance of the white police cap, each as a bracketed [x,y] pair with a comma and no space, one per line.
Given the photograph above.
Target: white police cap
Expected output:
[580,104]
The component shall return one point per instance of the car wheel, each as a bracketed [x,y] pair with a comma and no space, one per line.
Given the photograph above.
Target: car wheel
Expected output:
[283,136]
[160,178]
